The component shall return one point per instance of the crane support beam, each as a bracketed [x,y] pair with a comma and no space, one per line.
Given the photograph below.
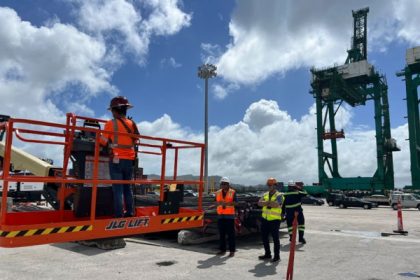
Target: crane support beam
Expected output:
[411,75]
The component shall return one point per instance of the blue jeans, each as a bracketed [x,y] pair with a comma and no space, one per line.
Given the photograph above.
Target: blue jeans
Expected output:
[122,171]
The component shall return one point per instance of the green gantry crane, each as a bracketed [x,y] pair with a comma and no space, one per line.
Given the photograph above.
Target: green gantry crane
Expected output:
[411,75]
[354,83]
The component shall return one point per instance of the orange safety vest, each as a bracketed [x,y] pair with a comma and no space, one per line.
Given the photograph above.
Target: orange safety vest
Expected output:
[228,210]
[122,145]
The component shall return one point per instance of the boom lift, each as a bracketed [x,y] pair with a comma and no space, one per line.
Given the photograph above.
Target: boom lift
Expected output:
[411,74]
[354,83]
[22,162]
[82,200]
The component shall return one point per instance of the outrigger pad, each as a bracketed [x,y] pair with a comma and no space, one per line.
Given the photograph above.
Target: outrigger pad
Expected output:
[105,243]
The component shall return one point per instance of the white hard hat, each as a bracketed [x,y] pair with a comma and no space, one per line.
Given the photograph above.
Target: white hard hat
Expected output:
[291,183]
[225,180]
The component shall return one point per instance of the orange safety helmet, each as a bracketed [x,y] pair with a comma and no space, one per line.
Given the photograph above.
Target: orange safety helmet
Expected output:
[271,181]
[118,102]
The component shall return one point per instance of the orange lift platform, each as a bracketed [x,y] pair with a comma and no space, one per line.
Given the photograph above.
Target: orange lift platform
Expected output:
[66,222]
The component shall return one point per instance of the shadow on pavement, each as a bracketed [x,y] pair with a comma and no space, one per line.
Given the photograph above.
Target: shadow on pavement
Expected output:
[265,268]
[286,247]
[81,249]
[213,261]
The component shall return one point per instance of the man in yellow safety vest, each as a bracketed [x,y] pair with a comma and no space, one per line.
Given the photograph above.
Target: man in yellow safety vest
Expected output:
[271,203]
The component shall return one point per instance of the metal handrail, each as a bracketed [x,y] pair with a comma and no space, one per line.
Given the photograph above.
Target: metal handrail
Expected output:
[20,137]
[69,133]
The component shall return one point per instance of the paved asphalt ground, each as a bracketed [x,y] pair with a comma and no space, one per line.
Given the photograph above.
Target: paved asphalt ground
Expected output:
[342,244]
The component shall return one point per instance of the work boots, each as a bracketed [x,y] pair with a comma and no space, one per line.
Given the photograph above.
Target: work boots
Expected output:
[275,259]
[264,257]
[301,239]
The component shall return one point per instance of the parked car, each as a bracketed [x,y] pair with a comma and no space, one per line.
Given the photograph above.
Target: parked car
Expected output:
[354,202]
[332,197]
[246,195]
[189,193]
[408,200]
[379,199]
[152,193]
[309,199]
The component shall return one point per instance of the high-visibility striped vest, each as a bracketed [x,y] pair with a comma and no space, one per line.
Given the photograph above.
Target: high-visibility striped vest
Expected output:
[228,210]
[293,199]
[122,145]
[274,213]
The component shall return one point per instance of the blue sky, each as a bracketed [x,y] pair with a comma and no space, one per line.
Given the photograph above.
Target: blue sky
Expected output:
[158,87]
[149,51]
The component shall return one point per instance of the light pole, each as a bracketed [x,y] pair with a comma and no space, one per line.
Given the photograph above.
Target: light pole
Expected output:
[205,72]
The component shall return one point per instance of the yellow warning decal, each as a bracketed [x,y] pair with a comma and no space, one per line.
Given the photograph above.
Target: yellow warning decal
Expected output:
[44,231]
[181,220]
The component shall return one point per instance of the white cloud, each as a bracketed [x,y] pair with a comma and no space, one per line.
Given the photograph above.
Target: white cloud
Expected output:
[54,68]
[221,91]
[166,17]
[123,22]
[39,69]
[407,17]
[210,53]
[162,126]
[167,128]
[41,66]
[263,113]
[402,158]
[81,109]
[279,36]
[171,62]
[37,64]
[268,142]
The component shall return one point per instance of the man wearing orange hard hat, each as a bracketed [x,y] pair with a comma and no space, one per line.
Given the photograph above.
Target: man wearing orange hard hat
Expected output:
[271,203]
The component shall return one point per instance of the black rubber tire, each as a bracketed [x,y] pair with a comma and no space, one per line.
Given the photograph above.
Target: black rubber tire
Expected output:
[395,206]
[341,206]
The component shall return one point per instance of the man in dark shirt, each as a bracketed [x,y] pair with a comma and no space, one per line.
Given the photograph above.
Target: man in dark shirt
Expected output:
[293,203]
